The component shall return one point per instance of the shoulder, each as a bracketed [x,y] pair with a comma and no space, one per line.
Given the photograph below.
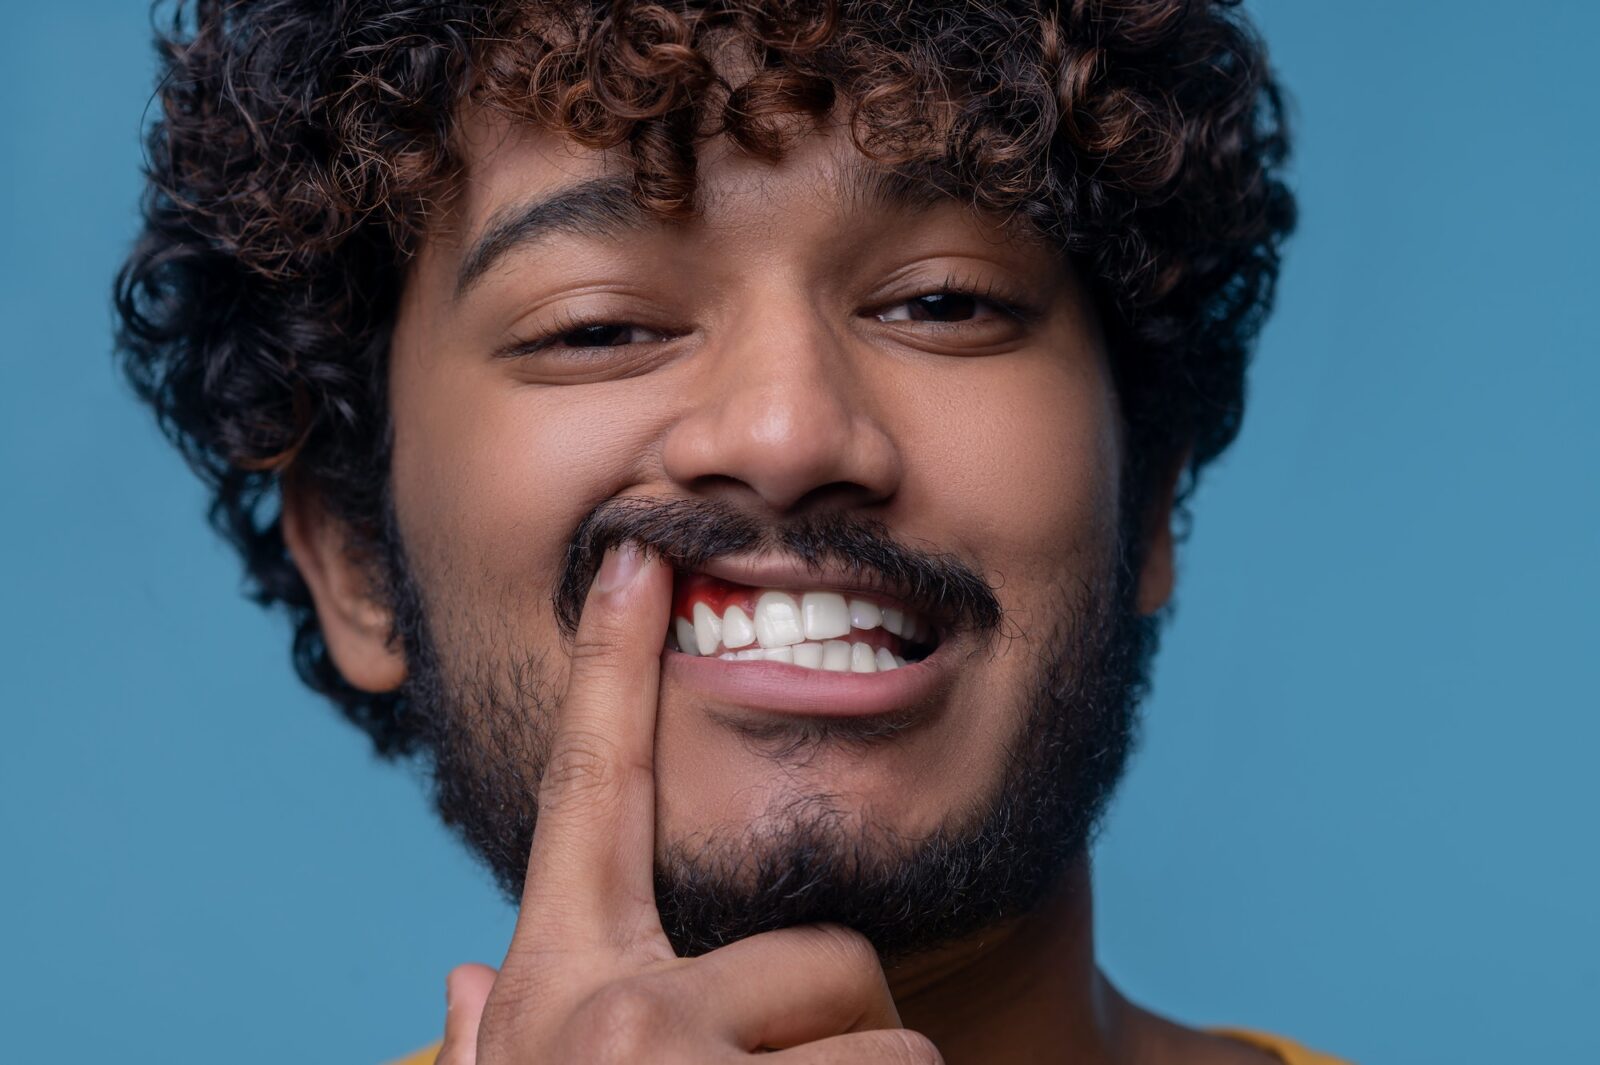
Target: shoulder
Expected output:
[1158,1039]
[1148,1036]
[1282,1050]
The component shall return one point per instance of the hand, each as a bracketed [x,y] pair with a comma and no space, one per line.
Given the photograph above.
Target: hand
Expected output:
[590,976]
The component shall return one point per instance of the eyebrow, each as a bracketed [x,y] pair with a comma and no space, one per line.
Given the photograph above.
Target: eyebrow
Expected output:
[596,209]
[607,207]
[911,187]
[865,185]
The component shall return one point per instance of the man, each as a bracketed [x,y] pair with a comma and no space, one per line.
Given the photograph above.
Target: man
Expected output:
[736,446]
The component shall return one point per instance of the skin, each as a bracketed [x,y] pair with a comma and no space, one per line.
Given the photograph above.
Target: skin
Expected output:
[773,370]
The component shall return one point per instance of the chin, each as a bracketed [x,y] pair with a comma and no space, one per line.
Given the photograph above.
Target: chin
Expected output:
[730,772]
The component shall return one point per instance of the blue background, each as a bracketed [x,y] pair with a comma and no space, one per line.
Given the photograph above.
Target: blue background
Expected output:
[1364,811]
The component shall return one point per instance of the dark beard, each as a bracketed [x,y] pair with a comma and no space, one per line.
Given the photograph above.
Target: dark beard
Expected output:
[486,735]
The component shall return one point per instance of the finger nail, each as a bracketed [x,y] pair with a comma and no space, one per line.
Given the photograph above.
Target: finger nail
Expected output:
[620,566]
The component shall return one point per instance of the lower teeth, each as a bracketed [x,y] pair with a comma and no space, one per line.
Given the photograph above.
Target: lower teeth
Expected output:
[832,656]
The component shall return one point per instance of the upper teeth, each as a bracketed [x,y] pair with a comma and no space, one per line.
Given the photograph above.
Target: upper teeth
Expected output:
[707,626]
[824,615]
[780,620]
[737,631]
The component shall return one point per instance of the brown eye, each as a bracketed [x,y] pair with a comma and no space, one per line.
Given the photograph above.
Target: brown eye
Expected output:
[604,335]
[939,307]
[590,336]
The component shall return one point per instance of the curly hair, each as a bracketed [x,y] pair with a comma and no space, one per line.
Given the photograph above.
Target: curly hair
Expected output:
[302,146]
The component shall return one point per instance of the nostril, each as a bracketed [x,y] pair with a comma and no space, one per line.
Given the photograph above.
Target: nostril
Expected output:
[836,497]
[790,497]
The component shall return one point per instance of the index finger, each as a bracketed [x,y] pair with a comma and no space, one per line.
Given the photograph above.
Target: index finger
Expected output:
[591,866]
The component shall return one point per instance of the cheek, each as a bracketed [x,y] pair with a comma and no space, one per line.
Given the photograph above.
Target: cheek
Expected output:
[1025,463]
[492,476]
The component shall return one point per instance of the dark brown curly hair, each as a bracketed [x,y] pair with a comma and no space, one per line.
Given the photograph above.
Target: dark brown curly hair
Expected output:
[302,145]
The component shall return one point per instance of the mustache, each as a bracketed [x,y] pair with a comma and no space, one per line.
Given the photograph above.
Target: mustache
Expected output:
[689,533]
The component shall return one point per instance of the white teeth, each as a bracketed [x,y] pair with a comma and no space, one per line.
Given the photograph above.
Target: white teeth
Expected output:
[808,629]
[865,614]
[684,631]
[808,655]
[825,615]
[778,620]
[707,628]
[736,629]
[836,656]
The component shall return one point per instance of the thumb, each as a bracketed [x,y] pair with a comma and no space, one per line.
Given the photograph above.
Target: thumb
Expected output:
[466,989]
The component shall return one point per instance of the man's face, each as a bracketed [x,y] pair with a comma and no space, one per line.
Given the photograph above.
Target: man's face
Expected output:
[809,349]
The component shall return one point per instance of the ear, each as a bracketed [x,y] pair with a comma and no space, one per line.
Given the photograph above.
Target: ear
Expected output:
[355,625]
[1158,573]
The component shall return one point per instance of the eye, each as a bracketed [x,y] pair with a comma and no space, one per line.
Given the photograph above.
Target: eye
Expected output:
[948,307]
[579,336]
[600,335]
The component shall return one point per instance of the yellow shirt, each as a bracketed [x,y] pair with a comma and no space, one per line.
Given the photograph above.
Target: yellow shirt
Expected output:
[1290,1053]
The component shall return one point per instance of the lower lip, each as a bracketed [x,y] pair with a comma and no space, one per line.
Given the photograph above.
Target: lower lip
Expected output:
[785,689]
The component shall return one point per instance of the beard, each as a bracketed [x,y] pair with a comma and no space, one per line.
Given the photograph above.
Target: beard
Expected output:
[484,711]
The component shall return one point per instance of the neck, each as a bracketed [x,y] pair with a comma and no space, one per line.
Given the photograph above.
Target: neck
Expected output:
[1024,990]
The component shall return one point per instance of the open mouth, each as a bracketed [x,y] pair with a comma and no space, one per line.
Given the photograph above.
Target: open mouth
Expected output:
[831,631]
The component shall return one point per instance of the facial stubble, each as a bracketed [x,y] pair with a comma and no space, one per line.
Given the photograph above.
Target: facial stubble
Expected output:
[485,720]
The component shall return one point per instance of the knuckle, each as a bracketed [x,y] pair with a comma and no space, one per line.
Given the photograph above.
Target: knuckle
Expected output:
[622,1022]
[594,651]
[580,763]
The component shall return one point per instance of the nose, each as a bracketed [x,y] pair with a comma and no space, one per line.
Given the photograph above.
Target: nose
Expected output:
[782,419]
